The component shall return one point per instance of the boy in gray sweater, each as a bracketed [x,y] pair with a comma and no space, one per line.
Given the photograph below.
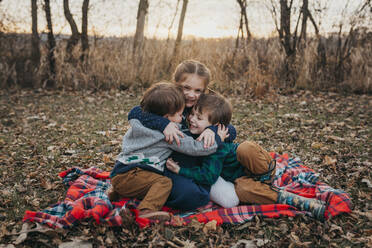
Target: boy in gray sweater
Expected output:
[139,167]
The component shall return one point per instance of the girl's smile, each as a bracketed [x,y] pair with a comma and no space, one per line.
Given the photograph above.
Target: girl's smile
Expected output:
[192,87]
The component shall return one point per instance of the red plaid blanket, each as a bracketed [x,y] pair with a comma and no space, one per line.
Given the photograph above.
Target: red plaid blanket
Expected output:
[86,198]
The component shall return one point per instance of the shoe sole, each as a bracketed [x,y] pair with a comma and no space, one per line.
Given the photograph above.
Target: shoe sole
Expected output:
[160,216]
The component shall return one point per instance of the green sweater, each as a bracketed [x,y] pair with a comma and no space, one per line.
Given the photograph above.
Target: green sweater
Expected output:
[221,163]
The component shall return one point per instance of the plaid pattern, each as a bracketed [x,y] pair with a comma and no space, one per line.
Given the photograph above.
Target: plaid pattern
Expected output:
[86,198]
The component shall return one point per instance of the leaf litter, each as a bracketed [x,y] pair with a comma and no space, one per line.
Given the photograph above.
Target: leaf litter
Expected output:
[43,133]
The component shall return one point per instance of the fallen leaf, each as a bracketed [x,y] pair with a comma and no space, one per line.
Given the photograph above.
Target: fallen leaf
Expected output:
[106,159]
[3,231]
[23,233]
[244,243]
[210,226]
[195,224]
[369,184]
[70,152]
[335,138]
[76,244]
[366,214]
[316,145]
[329,161]
[46,184]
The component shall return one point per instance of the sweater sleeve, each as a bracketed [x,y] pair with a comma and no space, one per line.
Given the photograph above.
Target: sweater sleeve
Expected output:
[210,170]
[148,120]
[190,146]
[231,131]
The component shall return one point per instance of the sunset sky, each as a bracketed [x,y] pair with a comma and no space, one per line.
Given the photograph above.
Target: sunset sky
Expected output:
[208,18]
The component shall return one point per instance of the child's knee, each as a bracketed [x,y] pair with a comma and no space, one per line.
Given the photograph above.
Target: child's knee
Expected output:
[253,157]
[223,193]
[227,200]
[164,183]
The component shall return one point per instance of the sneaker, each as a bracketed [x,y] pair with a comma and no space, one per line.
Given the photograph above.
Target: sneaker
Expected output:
[154,215]
[316,207]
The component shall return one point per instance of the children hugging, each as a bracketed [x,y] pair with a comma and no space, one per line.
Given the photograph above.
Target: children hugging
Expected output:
[179,152]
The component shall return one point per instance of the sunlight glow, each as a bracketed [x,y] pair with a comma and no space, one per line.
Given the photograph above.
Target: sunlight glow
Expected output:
[206,19]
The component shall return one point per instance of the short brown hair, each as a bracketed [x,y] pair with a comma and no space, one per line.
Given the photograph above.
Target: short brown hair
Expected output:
[163,98]
[192,67]
[217,107]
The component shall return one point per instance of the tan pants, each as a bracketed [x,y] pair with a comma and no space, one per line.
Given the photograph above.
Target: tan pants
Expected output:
[151,187]
[256,160]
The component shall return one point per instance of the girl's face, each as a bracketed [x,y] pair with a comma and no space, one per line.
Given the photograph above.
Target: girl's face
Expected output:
[192,88]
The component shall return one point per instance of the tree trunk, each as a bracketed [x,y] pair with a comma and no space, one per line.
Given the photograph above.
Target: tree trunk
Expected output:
[31,68]
[84,32]
[180,28]
[243,28]
[35,53]
[51,45]
[74,39]
[140,28]
[305,14]
[285,27]
[179,35]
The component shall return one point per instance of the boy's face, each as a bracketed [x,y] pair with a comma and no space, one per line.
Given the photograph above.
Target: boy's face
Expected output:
[198,122]
[176,117]
[192,88]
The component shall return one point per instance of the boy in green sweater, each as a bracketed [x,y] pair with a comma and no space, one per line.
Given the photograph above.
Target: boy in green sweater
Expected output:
[247,165]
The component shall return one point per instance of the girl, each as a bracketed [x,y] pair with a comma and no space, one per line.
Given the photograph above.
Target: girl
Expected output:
[193,77]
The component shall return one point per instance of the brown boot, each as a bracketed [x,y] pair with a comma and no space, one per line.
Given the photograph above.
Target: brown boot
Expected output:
[154,215]
[113,195]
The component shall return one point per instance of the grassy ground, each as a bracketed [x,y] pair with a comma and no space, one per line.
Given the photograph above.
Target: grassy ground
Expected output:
[43,133]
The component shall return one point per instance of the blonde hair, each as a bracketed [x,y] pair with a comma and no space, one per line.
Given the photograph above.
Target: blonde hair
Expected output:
[163,98]
[192,67]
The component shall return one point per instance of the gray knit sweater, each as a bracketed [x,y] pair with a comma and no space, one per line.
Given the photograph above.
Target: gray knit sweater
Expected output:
[147,146]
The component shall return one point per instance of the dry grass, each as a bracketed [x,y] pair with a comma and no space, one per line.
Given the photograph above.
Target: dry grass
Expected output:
[254,70]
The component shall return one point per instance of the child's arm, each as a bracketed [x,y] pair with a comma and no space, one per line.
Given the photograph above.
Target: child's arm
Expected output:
[208,173]
[149,120]
[156,122]
[190,146]
[231,132]
[209,134]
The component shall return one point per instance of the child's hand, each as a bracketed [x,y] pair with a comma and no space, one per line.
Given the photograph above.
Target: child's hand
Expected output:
[171,133]
[223,132]
[208,136]
[172,166]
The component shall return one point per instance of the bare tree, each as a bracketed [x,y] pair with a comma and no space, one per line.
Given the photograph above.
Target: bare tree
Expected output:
[244,34]
[288,38]
[180,28]
[179,35]
[346,43]
[51,46]
[75,35]
[305,14]
[291,39]
[35,42]
[140,28]
[172,22]
[84,31]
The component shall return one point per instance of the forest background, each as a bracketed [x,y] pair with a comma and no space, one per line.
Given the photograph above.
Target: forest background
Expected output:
[316,45]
